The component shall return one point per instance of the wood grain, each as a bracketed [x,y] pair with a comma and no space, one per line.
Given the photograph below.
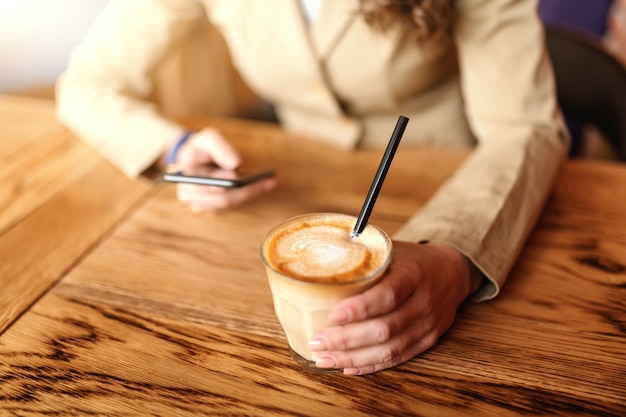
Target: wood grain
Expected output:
[170,313]
[57,198]
[38,171]
[38,250]
[23,120]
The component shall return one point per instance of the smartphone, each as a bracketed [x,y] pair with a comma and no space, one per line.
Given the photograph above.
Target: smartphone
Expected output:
[233,179]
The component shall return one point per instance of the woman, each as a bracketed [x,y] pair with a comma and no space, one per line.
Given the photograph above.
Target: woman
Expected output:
[466,72]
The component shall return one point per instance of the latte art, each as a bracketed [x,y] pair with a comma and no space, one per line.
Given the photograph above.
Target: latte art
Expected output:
[321,251]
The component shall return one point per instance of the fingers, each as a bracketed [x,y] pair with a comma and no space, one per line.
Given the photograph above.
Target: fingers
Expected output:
[382,298]
[208,147]
[393,352]
[205,198]
[377,300]
[372,357]
[375,331]
[385,359]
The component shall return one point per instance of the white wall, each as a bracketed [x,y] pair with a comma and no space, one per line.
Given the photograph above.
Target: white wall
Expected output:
[36,38]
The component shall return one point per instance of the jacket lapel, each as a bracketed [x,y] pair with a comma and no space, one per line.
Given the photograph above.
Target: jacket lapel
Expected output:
[334,19]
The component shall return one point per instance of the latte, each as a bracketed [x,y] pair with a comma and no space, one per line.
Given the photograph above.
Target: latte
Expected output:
[312,263]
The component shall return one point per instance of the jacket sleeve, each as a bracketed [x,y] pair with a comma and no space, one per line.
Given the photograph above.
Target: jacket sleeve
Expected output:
[104,94]
[487,209]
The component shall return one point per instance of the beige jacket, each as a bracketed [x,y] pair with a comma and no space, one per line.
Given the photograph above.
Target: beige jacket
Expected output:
[338,81]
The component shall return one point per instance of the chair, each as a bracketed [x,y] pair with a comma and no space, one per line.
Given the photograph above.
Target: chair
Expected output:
[590,83]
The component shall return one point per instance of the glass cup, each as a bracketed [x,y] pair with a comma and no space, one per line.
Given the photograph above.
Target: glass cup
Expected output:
[312,263]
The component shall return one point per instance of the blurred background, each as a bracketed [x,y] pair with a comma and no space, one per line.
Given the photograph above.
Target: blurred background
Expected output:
[36,38]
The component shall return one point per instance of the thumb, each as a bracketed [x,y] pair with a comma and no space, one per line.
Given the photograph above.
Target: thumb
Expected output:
[208,146]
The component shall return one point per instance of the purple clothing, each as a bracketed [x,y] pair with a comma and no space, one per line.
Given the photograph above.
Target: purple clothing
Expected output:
[588,15]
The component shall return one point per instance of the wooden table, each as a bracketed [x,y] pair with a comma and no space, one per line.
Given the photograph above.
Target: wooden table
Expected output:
[115,299]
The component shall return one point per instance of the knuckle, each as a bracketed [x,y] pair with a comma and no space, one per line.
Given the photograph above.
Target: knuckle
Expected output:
[390,295]
[430,339]
[339,341]
[388,355]
[381,331]
[428,304]
[211,136]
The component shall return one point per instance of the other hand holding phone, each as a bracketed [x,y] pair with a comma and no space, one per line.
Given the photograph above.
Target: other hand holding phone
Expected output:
[207,176]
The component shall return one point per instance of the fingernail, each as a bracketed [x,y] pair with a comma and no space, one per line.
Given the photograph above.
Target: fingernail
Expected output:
[317,344]
[326,362]
[352,371]
[339,315]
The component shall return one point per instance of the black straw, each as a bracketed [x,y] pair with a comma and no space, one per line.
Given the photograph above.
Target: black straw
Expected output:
[368,205]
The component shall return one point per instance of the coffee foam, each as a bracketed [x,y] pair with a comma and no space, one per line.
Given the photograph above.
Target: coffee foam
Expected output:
[320,249]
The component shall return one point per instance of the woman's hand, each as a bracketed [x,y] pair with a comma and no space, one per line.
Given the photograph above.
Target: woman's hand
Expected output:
[401,316]
[207,148]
